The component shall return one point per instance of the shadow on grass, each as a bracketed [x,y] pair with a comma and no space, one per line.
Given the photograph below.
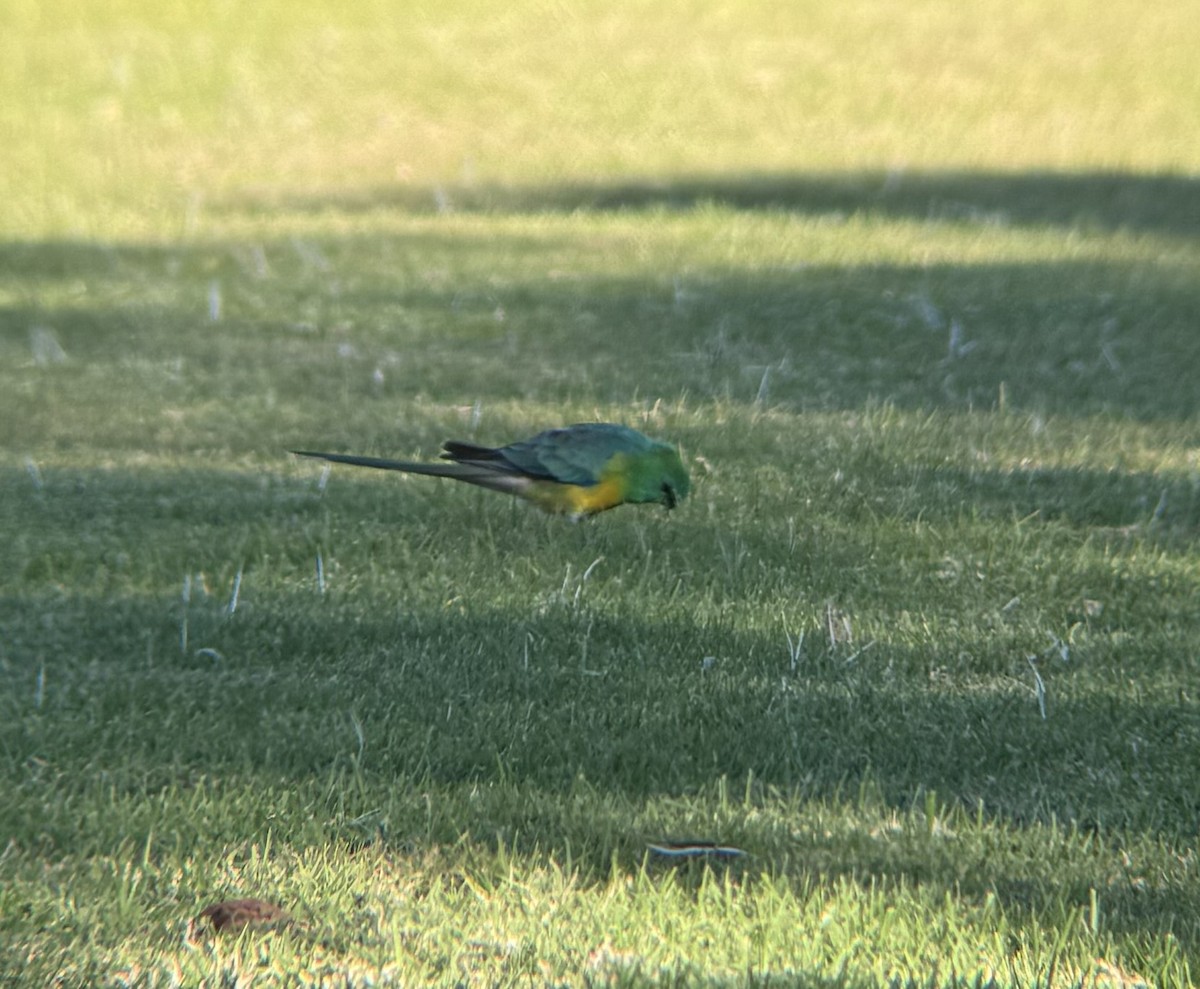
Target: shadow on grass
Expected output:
[492,317]
[378,324]
[451,685]
[427,728]
[552,721]
[1165,204]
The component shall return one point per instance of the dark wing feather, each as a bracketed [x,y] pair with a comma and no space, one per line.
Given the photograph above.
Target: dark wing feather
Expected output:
[574,454]
[461,452]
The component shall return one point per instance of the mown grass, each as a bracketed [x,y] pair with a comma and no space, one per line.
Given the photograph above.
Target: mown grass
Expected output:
[915,292]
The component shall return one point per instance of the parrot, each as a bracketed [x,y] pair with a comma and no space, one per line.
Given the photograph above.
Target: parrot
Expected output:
[576,470]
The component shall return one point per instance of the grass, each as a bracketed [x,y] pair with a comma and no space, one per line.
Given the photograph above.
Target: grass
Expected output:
[915,292]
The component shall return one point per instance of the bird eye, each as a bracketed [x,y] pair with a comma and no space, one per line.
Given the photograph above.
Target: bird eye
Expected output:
[668,493]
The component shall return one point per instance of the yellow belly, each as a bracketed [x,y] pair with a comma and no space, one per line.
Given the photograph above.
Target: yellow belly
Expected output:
[577,499]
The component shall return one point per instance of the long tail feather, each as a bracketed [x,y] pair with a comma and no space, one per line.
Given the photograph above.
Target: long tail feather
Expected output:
[470,473]
[410,467]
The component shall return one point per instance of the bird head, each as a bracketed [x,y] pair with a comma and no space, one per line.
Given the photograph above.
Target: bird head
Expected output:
[659,475]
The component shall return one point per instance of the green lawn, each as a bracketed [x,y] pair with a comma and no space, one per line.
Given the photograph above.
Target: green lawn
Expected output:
[915,288]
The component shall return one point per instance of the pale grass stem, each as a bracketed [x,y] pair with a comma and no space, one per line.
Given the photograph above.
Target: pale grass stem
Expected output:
[795,646]
[764,387]
[837,626]
[186,596]
[1039,686]
[360,735]
[233,597]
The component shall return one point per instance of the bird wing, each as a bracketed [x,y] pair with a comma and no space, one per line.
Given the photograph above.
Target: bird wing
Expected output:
[570,455]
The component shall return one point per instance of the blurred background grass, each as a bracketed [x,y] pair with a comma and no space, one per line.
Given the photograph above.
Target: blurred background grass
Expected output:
[123,119]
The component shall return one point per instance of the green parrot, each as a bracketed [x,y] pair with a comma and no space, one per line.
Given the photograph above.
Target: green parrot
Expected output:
[576,470]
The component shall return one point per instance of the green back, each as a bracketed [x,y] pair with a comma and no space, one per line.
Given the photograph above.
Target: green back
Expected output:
[577,454]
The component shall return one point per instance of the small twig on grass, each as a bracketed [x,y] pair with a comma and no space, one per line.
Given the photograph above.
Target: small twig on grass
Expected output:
[694,849]
[858,652]
[586,574]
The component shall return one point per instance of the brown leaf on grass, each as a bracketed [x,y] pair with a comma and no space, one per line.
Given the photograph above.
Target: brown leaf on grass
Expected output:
[236,915]
[1110,975]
